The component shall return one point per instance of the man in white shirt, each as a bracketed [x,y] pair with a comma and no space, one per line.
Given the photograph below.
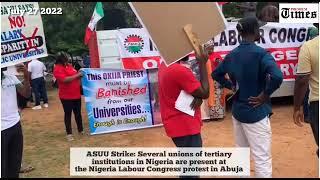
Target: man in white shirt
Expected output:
[11,132]
[37,69]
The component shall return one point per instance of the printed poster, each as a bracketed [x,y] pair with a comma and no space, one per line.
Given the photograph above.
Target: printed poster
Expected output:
[118,100]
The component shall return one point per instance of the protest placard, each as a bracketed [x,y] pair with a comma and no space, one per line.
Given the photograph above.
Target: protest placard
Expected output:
[165,21]
[118,100]
[22,34]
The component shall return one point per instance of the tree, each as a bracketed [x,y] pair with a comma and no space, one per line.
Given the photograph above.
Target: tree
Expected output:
[66,32]
[230,9]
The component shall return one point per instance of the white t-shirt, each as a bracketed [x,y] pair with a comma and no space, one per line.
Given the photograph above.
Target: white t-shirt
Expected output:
[9,105]
[36,68]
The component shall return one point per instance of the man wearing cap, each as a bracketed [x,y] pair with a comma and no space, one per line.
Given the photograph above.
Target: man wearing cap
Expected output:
[254,75]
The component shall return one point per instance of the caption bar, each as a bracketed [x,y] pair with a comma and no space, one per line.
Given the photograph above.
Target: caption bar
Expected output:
[159,162]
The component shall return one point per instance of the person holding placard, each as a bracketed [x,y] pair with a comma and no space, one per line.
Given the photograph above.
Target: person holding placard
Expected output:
[184,129]
[11,131]
[69,92]
[254,75]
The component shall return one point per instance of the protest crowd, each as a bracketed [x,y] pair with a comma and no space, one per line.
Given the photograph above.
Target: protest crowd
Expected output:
[247,76]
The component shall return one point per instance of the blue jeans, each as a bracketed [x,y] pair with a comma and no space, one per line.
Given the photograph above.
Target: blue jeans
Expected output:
[39,89]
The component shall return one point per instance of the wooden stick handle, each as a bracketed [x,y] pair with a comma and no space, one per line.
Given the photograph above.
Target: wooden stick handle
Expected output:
[193,38]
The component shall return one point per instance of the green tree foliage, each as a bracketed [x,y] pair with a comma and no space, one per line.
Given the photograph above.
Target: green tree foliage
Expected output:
[66,32]
[230,9]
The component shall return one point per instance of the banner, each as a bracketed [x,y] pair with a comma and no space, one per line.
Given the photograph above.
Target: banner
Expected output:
[112,107]
[118,100]
[22,35]
[281,40]
[136,49]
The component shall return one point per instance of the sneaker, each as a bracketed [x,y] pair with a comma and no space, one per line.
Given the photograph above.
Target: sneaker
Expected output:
[37,107]
[70,137]
[46,105]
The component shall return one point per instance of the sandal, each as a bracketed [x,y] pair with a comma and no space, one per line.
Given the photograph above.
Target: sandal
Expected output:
[27,169]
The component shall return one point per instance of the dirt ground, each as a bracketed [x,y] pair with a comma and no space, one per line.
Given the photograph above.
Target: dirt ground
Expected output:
[46,148]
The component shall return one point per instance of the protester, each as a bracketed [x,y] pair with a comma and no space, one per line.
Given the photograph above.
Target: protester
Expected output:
[308,75]
[86,60]
[269,13]
[22,101]
[154,95]
[183,129]
[31,99]
[217,111]
[69,92]
[172,80]
[314,32]
[37,70]
[248,8]
[11,131]
[254,75]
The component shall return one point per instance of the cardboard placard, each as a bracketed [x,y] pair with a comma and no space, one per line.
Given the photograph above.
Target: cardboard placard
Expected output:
[165,21]
[22,33]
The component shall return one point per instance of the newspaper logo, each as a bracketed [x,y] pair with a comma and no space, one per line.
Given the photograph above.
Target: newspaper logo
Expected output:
[299,12]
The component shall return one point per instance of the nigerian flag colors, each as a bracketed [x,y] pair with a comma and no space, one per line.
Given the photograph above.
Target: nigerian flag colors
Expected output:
[96,16]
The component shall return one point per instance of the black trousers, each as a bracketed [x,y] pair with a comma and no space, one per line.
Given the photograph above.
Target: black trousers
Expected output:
[22,101]
[306,107]
[68,107]
[11,151]
[314,121]
[188,141]
[39,89]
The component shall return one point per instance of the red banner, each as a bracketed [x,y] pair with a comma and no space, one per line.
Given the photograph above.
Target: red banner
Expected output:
[141,62]
[286,58]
